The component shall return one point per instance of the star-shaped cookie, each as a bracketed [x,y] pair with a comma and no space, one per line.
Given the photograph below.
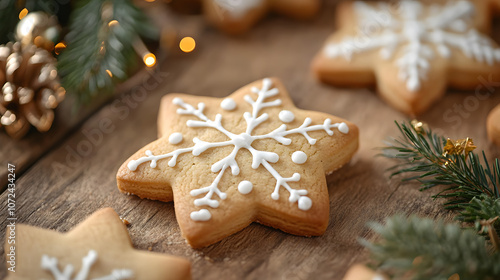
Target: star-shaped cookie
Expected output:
[238,16]
[250,157]
[493,125]
[97,248]
[411,50]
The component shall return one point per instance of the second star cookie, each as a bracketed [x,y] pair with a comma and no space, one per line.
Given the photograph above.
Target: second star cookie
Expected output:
[97,248]
[412,50]
[493,125]
[250,157]
[237,16]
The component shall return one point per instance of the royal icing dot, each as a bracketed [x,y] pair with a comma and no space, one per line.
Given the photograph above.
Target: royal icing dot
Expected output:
[175,138]
[245,187]
[228,104]
[202,215]
[299,157]
[305,203]
[286,116]
[132,165]
[343,128]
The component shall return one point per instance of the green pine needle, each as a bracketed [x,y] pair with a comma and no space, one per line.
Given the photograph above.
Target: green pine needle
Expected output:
[420,157]
[94,46]
[420,248]
[479,209]
[9,12]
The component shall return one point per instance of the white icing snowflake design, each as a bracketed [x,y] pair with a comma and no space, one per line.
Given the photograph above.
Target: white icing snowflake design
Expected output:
[238,8]
[51,264]
[419,30]
[242,141]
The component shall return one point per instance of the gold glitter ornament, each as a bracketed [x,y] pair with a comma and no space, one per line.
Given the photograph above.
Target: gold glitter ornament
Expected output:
[29,88]
[419,126]
[458,147]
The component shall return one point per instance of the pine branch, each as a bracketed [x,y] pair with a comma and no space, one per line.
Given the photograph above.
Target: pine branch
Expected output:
[47,6]
[419,248]
[421,154]
[9,12]
[95,46]
[484,212]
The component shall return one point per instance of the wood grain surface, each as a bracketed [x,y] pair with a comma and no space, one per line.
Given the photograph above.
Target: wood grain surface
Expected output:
[67,174]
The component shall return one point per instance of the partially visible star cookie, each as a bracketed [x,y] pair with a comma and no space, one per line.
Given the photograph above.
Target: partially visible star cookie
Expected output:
[411,50]
[238,16]
[361,272]
[98,248]
[493,125]
[252,156]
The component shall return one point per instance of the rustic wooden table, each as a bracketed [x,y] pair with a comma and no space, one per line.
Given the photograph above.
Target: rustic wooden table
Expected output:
[63,176]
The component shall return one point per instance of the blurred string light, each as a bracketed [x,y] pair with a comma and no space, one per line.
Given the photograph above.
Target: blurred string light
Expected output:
[147,57]
[102,49]
[187,44]
[23,13]
[113,23]
[60,47]
[109,73]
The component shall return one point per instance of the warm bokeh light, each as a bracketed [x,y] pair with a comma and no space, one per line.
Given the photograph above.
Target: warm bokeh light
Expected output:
[113,23]
[102,49]
[149,59]
[187,44]
[109,73]
[23,13]
[150,1]
[38,41]
[59,47]
[41,42]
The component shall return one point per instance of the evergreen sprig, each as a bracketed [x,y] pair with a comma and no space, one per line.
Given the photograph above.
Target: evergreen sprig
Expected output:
[464,176]
[420,248]
[95,46]
[9,11]
[417,248]
[481,209]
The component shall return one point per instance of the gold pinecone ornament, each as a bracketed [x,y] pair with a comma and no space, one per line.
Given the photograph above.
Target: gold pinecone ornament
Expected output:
[30,88]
